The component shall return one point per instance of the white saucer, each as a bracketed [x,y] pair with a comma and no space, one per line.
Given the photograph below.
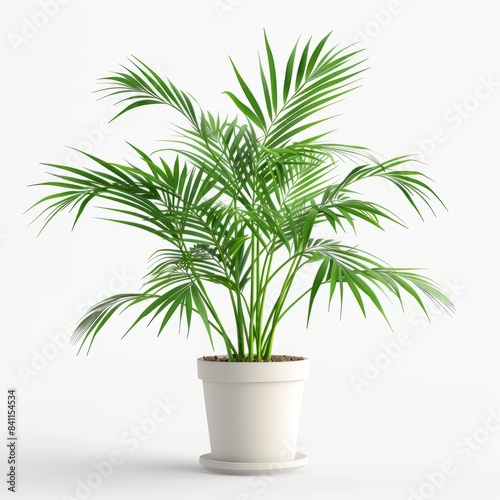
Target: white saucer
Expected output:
[253,468]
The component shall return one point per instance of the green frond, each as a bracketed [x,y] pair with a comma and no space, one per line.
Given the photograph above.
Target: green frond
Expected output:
[362,272]
[143,87]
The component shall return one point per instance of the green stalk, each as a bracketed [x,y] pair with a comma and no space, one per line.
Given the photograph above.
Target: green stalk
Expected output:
[251,337]
[257,301]
[267,271]
[229,345]
[276,304]
[238,312]
[275,316]
[237,309]
[298,299]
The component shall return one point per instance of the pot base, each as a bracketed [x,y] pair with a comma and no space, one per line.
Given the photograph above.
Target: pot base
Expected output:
[243,468]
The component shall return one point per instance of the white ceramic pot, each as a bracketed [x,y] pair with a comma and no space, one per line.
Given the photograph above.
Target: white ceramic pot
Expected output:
[253,413]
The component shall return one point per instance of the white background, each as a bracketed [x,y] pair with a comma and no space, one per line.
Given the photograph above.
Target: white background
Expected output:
[425,92]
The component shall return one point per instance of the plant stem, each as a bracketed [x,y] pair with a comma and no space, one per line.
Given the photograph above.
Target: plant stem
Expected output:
[258,312]
[274,317]
[298,299]
[251,335]
[268,262]
[208,302]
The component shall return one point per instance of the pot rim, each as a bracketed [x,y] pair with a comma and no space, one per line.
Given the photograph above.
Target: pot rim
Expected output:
[253,372]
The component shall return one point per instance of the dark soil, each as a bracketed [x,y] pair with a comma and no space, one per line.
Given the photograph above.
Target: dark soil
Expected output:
[273,359]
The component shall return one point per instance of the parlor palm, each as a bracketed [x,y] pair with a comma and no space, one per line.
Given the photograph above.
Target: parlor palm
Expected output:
[237,203]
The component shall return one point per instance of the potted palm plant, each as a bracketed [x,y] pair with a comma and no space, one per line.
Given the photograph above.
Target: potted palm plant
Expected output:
[235,203]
